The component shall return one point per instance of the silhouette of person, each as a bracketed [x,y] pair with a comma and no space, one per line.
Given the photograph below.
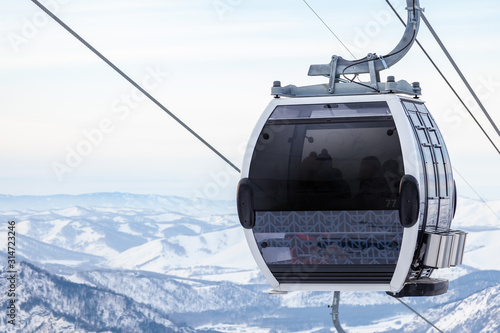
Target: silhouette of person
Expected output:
[332,190]
[325,166]
[373,189]
[309,167]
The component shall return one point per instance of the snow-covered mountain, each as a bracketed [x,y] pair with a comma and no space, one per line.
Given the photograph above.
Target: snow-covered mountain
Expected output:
[48,303]
[479,312]
[187,262]
[114,200]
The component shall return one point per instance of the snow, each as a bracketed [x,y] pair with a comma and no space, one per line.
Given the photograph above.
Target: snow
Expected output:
[166,217]
[482,250]
[453,273]
[476,215]
[227,328]
[70,263]
[479,313]
[53,233]
[139,256]
[237,256]
[125,228]
[76,278]
[140,247]
[392,323]
[69,212]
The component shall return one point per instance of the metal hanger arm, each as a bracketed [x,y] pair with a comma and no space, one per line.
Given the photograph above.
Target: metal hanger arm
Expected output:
[379,63]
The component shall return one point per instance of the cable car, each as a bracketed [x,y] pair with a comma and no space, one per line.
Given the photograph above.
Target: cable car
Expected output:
[349,186]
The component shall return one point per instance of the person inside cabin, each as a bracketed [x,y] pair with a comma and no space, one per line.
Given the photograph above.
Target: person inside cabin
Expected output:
[374,192]
[333,190]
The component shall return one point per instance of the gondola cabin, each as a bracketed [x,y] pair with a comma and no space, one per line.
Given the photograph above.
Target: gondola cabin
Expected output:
[346,192]
[348,185]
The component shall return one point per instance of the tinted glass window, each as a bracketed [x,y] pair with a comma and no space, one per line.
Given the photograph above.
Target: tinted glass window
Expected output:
[331,110]
[431,173]
[433,150]
[437,166]
[415,119]
[321,165]
[421,108]
[432,213]
[445,214]
[421,135]
[443,188]
[409,106]
[329,238]
[434,137]
[427,120]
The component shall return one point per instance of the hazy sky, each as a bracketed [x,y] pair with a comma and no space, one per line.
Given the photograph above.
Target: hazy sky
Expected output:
[70,124]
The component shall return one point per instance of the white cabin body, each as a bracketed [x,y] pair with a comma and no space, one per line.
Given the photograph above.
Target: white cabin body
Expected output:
[320,193]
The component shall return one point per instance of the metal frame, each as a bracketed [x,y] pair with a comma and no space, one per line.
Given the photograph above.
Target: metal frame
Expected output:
[372,64]
[335,312]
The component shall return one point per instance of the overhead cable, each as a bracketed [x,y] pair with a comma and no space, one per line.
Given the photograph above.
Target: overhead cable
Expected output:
[448,55]
[418,314]
[478,195]
[328,27]
[126,77]
[447,82]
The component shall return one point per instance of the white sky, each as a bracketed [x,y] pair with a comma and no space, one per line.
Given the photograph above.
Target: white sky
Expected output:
[215,61]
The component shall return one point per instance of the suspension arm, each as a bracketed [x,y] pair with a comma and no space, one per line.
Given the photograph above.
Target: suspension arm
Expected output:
[378,63]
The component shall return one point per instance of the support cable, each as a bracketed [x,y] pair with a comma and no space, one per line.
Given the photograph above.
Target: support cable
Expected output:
[326,25]
[137,86]
[447,82]
[465,106]
[448,55]
[340,329]
[479,196]
[418,314]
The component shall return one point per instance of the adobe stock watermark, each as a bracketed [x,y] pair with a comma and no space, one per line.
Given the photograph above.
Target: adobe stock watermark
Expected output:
[223,7]
[92,138]
[219,182]
[222,179]
[32,25]
[485,88]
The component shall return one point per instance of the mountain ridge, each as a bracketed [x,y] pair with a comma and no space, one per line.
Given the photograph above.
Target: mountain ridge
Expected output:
[170,255]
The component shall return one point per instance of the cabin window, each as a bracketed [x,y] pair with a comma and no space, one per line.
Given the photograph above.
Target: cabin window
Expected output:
[325,180]
[436,164]
[311,164]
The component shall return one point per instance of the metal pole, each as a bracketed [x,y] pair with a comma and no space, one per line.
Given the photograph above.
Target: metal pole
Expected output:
[335,312]
[438,40]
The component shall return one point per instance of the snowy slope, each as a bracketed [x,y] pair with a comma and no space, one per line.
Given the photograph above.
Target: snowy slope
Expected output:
[207,249]
[478,313]
[153,233]
[116,200]
[190,259]
[474,214]
[47,303]
[172,294]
